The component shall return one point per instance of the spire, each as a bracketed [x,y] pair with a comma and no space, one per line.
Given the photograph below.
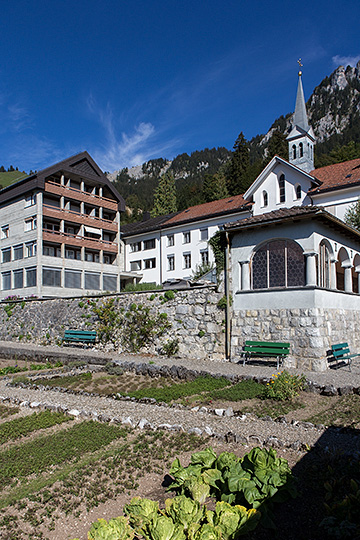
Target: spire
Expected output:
[300,115]
[301,138]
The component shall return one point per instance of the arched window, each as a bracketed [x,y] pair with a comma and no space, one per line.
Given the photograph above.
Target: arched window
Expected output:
[282,188]
[294,151]
[301,149]
[324,265]
[278,263]
[298,191]
[265,198]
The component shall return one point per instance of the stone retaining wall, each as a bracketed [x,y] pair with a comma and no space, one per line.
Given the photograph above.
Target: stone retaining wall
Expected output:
[196,322]
[311,332]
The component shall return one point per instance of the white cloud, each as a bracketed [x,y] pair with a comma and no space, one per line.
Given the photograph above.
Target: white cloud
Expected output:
[124,149]
[345,60]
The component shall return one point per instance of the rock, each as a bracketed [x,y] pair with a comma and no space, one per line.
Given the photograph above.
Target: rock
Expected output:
[27,404]
[195,430]
[74,412]
[127,421]
[176,427]
[229,412]
[329,390]
[208,431]
[164,426]
[307,425]
[346,390]
[296,445]
[273,442]
[35,404]
[219,412]
[144,423]
[230,437]
[203,410]
[254,439]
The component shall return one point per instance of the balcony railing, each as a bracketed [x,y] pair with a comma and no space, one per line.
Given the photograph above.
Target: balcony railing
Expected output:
[76,217]
[78,195]
[80,241]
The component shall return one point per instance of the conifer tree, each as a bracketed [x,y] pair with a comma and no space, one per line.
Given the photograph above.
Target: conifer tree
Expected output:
[352,215]
[277,146]
[165,196]
[238,171]
[214,187]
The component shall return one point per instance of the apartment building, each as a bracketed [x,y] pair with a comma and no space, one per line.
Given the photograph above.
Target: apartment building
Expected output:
[60,232]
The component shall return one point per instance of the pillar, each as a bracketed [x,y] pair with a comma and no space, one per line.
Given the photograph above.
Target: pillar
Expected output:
[310,268]
[348,278]
[333,273]
[245,275]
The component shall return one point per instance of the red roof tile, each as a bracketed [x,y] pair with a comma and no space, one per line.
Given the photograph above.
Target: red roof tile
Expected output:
[222,206]
[339,175]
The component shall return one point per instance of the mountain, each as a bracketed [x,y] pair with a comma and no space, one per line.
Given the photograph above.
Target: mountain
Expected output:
[334,113]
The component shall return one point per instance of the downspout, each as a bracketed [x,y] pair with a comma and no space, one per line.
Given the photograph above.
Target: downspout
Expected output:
[161,262]
[227,294]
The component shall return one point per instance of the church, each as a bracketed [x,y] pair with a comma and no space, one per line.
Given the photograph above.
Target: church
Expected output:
[294,262]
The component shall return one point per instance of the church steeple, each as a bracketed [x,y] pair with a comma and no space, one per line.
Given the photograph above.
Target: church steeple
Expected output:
[301,139]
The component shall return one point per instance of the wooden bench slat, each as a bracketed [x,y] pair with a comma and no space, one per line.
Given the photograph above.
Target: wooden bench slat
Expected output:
[266,349]
[341,352]
[80,336]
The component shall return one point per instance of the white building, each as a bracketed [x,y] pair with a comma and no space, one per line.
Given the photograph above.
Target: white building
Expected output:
[60,231]
[171,247]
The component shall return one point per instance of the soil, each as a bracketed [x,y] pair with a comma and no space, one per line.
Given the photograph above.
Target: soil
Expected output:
[296,519]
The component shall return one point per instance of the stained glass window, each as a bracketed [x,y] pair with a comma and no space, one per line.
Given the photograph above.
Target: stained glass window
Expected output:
[278,263]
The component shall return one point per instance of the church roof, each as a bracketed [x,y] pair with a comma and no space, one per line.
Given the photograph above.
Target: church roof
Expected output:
[293,215]
[337,176]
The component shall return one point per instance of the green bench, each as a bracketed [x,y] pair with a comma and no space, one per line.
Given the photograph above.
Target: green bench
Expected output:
[269,349]
[341,353]
[79,336]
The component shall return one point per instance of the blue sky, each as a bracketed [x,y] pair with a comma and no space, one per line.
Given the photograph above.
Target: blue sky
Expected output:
[130,80]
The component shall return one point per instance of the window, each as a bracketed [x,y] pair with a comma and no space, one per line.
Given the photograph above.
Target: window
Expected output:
[278,263]
[149,244]
[30,249]
[135,266]
[5,231]
[72,279]
[204,254]
[204,235]
[92,256]
[68,230]
[52,251]
[52,226]
[301,149]
[6,255]
[298,191]
[135,246]
[282,188]
[92,281]
[109,258]
[51,277]
[171,263]
[30,200]
[30,224]
[324,266]
[18,252]
[109,282]
[74,254]
[265,198]
[18,279]
[186,237]
[6,281]
[187,260]
[30,274]
[149,263]
[294,151]
[170,240]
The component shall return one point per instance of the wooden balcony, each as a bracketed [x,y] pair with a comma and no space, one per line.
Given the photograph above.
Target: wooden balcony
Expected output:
[81,219]
[80,196]
[79,241]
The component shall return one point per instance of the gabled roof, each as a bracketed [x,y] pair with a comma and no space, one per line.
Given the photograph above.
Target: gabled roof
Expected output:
[81,165]
[337,176]
[265,172]
[296,213]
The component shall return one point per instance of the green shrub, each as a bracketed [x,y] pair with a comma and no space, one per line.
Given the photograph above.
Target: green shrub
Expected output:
[131,287]
[169,295]
[170,348]
[284,386]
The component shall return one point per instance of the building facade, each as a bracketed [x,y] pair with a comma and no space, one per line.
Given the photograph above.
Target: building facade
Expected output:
[60,232]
